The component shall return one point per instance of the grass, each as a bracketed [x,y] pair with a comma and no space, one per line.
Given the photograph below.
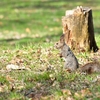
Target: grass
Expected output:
[28,31]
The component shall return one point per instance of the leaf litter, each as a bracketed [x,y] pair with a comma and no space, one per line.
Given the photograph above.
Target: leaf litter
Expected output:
[48,75]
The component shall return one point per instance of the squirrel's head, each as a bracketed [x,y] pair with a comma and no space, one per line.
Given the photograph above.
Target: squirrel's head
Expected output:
[60,43]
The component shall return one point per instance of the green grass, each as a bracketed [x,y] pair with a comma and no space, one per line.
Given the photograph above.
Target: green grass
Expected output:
[28,32]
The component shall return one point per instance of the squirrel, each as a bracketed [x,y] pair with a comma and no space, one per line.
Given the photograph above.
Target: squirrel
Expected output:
[90,68]
[71,62]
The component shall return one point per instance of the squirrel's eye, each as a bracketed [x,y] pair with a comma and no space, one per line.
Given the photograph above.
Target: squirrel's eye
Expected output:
[57,43]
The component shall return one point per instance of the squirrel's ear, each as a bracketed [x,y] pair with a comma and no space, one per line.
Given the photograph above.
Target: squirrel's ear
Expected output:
[62,39]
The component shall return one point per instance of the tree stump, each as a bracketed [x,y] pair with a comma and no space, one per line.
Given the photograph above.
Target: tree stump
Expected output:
[80,23]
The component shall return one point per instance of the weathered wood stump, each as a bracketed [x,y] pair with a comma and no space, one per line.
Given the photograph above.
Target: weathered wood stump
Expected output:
[80,23]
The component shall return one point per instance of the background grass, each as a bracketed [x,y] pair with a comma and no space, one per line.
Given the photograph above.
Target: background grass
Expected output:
[28,31]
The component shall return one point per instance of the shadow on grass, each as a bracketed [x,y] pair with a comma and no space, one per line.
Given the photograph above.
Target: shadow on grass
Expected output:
[27,40]
[49,4]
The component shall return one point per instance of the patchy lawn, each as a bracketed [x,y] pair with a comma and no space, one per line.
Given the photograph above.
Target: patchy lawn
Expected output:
[28,31]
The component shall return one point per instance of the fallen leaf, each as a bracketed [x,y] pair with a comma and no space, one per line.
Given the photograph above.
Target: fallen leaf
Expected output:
[15,67]
[9,78]
[66,91]
[85,92]
[77,95]
[69,98]
[1,89]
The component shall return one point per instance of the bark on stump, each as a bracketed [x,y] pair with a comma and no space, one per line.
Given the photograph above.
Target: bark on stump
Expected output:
[80,23]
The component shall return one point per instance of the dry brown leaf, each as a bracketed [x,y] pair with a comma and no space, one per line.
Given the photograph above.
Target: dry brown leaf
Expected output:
[9,78]
[77,95]
[69,98]
[67,92]
[98,94]
[20,87]
[1,89]
[85,92]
